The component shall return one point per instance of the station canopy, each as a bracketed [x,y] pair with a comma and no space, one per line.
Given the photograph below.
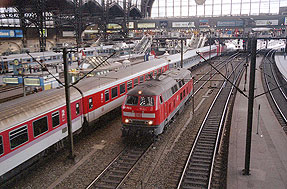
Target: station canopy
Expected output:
[89,8]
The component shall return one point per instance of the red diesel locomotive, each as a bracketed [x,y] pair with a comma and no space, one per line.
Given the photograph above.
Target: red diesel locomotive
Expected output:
[151,105]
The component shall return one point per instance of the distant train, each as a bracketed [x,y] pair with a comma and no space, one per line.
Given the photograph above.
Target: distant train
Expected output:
[31,124]
[50,57]
[150,106]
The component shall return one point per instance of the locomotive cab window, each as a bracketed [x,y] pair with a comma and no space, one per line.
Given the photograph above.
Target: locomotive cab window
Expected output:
[77,109]
[1,146]
[129,85]
[18,136]
[55,119]
[114,92]
[141,79]
[132,100]
[146,101]
[91,103]
[136,82]
[107,95]
[122,88]
[40,126]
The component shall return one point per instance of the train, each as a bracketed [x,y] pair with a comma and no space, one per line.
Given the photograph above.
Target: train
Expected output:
[150,106]
[32,124]
[50,57]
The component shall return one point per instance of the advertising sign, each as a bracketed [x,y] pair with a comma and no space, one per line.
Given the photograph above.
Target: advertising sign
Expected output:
[32,81]
[203,23]
[146,25]
[68,34]
[182,24]
[11,33]
[114,26]
[10,80]
[266,22]
[232,23]
[285,21]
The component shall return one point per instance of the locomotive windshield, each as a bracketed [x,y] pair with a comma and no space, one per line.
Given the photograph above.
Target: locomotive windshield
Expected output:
[132,100]
[146,101]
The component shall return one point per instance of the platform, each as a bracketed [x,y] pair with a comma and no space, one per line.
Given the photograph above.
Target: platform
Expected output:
[268,167]
[281,63]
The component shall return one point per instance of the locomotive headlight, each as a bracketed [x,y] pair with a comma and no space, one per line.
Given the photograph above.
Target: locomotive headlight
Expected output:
[127,120]
[150,122]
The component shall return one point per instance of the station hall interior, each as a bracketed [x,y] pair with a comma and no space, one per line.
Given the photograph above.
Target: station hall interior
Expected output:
[143,93]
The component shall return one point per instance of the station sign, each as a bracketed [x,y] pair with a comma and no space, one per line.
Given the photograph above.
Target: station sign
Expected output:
[11,33]
[232,23]
[266,22]
[183,24]
[146,25]
[32,82]
[10,80]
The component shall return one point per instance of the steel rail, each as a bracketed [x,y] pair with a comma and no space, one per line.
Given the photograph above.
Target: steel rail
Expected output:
[201,130]
[271,92]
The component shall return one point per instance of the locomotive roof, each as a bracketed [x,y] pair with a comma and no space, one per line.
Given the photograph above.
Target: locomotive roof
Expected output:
[157,86]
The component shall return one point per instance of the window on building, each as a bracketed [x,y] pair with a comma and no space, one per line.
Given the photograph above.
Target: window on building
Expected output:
[129,85]
[77,109]
[107,95]
[114,92]
[122,88]
[91,103]
[1,146]
[40,126]
[55,119]
[18,136]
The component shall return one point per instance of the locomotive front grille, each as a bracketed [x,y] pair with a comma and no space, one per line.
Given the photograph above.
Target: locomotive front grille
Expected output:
[139,122]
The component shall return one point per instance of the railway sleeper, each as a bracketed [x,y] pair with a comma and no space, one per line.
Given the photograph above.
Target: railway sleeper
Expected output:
[115,177]
[127,160]
[119,172]
[103,186]
[199,160]
[201,164]
[199,169]
[199,174]
[206,148]
[124,165]
[196,177]
[192,184]
[130,157]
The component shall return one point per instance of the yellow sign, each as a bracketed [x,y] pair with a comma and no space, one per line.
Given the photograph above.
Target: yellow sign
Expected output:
[16,62]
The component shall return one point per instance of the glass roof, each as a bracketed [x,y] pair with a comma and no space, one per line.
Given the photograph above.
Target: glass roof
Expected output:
[184,8]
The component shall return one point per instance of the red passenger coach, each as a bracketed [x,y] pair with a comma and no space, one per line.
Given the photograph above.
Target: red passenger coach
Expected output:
[151,105]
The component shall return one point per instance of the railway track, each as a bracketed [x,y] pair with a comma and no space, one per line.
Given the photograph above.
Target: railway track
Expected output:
[198,169]
[118,170]
[277,97]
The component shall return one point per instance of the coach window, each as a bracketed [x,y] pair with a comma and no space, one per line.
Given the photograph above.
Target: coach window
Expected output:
[40,126]
[141,79]
[180,96]
[107,95]
[146,77]
[90,103]
[184,93]
[1,146]
[160,98]
[122,88]
[159,71]
[129,85]
[155,73]
[114,92]
[77,109]
[55,119]
[18,136]
[136,82]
